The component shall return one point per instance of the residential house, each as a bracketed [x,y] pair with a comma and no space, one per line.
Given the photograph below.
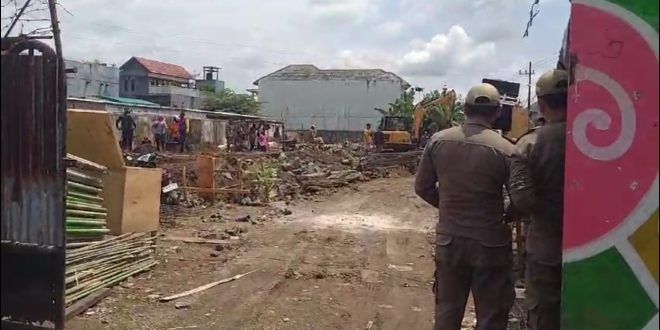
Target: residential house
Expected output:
[164,83]
[332,100]
[211,81]
[91,79]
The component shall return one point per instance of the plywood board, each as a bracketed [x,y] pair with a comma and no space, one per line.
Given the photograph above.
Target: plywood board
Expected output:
[91,135]
[113,199]
[204,169]
[141,210]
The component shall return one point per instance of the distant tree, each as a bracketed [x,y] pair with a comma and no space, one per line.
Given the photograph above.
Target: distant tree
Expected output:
[458,116]
[228,100]
[404,105]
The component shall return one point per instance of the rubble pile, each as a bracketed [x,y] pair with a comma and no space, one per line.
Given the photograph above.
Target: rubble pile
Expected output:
[308,170]
[314,170]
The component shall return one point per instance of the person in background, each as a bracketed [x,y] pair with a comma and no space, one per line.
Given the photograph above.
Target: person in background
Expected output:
[462,172]
[545,149]
[126,125]
[253,137]
[540,122]
[184,128]
[312,133]
[263,140]
[277,135]
[159,129]
[368,137]
[424,139]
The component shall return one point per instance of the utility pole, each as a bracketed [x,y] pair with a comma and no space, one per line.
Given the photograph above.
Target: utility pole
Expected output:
[529,74]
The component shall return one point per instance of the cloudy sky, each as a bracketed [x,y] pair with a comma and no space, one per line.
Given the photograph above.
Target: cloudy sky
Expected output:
[430,43]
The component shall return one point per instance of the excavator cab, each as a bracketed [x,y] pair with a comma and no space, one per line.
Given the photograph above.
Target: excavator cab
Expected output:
[394,134]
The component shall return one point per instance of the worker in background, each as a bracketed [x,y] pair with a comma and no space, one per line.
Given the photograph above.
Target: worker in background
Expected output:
[540,122]
[174,130]
[126,125]
[263,140]
[368,137]
[545,148]
[277,136]
[184,129]
[462,173]
[159,129]
[312,133]
[424,139]
[252,137]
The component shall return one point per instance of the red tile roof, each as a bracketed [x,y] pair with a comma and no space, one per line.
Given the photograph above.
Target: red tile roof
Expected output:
[165,69]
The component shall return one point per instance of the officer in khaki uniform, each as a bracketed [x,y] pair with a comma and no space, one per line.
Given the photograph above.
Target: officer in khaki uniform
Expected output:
[462,172]
[544,147]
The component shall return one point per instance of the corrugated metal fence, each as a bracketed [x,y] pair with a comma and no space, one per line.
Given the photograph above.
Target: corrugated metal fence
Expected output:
[33,174]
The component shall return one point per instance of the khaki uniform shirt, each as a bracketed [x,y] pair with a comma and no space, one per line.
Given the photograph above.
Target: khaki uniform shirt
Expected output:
[470,165]
[545,149]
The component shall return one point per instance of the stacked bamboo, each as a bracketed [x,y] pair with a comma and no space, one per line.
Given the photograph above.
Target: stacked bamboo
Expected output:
[92,266]
[85,215]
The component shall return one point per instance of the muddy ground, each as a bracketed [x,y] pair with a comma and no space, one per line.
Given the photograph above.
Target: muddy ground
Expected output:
[360,258]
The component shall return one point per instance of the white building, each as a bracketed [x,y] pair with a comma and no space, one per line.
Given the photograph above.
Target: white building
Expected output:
[333,100]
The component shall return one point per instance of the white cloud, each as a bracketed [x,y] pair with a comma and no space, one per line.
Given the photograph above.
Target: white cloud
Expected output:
[389,28]
[251,38]
[348,59]
[446,53]
[339,10]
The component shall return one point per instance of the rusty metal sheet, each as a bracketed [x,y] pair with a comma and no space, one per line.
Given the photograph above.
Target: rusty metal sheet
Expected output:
[32,132]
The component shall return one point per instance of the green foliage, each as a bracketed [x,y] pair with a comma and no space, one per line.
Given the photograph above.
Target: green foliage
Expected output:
[228,100]
[266,179]
[458,116]
[404,105]
[433,95]
[440,117]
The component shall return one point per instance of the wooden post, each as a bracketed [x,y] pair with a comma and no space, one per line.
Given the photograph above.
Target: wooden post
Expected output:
[240,175]
[185,184]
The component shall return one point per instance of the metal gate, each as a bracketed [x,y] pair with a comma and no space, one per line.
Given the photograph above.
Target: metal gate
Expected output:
[33,175]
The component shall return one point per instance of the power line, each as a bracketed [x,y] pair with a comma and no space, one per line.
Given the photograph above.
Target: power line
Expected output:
[123,29]
[528,72]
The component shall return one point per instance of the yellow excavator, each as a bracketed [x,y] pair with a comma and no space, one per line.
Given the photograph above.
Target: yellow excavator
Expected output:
[393,133]
[397,133]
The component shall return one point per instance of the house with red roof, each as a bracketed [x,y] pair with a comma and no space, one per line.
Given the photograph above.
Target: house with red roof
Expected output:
[164,83]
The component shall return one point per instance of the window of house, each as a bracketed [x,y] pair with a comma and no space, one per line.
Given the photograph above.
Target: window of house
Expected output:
[126,85]
[132,85]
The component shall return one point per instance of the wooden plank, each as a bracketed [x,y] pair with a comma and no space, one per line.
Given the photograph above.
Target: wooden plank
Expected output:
[205,287]
[83,304]
[198,240]
[85,164]
[216,190]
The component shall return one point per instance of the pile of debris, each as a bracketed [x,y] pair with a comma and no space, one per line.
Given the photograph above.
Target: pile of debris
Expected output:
[308,170]
[321,169]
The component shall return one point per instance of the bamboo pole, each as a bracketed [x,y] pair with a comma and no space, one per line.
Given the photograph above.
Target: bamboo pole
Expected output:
[83,187]
[87,214]
[85,196]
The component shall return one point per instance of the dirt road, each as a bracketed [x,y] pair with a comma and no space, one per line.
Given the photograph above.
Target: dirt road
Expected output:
[362,256]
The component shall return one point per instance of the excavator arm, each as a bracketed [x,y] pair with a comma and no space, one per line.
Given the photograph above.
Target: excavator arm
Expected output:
[447,100]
